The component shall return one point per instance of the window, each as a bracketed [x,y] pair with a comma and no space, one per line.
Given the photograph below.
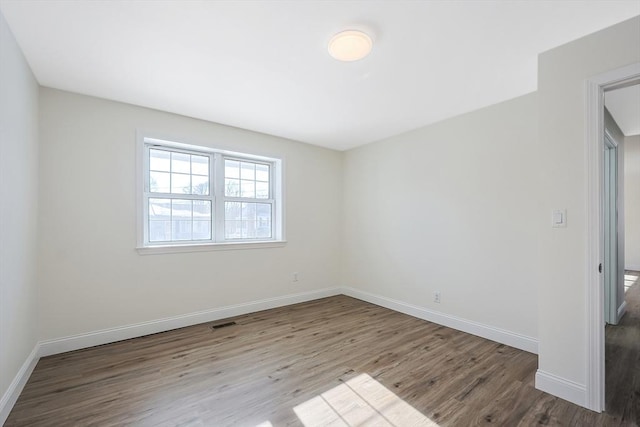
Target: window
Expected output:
[199,196]
[248,206]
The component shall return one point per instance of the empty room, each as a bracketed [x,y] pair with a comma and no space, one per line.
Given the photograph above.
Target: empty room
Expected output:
[313,213]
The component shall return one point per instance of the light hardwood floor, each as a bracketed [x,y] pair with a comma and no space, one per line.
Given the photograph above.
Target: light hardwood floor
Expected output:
[334,361]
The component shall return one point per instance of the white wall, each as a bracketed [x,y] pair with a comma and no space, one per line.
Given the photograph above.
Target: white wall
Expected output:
[450,207]
[561,278]
[91,276]
[18,211]
[632,201]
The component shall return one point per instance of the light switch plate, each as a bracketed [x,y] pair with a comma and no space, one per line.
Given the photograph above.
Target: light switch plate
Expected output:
[559,218]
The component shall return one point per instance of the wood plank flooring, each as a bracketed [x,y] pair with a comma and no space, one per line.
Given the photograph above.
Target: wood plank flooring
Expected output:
[335,361]
[622,355]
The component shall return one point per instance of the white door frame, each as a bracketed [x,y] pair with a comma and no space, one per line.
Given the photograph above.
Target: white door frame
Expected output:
[594,138]
[610,199]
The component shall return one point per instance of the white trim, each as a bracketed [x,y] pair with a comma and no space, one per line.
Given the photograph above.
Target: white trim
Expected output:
[492,333]
[632,267]
[15,388]
[205,247]
[110,335]
[594,129]
[561,387]
[105,336]
[141,210]
[610,141]
[594,140]
[621,311]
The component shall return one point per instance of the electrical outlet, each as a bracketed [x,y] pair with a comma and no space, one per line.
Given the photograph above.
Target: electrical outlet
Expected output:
[436,297]
[294,277]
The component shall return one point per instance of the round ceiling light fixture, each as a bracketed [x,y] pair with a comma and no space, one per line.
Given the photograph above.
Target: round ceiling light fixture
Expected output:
[350,45]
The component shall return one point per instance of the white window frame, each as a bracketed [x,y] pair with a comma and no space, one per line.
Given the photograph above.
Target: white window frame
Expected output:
[216,195]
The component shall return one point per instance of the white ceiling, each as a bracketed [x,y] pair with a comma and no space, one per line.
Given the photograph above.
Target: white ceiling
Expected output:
[264,66]
[624,106]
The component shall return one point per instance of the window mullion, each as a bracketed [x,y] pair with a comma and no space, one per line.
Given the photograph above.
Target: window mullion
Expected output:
[272,196]
[145,190]
[218,183]
[248,200]
[178,196]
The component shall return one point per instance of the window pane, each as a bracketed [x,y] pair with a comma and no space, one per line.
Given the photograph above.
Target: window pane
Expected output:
[201,230]
[263,220]
[232,188]
[181,230]
[247,188]
[180,162]
[159,182]
[202,210]
[181,209]
[232,211]
[249,211]
[249,229]
[231,169]
[263,211]
[200,165]
[159,209]
[233,229]
[247,220]
[159,231]
[200,185]
[262,190]
[262,172]
[263,229]
[159,160]
[180,183]
[247,170]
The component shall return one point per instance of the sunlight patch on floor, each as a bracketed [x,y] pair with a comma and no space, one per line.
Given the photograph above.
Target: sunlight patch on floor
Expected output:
[629,281]
[361,401]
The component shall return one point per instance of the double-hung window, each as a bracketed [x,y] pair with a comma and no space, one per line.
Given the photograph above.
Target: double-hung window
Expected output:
[195,195]
[248,201]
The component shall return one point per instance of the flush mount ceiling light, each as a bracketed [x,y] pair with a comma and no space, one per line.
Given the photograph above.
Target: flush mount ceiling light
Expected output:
[350,45]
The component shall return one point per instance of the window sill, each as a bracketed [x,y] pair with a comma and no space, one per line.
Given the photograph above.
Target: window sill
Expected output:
[206,247]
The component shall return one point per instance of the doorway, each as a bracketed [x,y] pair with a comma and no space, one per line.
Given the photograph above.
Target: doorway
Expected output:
[621,141]
[595,88]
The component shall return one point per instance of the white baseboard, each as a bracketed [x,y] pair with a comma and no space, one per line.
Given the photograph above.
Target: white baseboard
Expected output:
[621,311]
[502,336]
[632,267]
[15,388]
[561,387]
[105,336]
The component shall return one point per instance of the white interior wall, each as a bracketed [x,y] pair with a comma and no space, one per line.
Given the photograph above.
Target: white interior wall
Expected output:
[18,212]
[632,202]
[90,275]
[453,208]
[562,282]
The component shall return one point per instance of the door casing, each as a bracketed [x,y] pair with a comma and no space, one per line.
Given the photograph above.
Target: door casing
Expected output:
[594,130]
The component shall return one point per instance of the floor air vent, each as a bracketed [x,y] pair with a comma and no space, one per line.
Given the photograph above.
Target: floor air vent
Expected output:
[222,325]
